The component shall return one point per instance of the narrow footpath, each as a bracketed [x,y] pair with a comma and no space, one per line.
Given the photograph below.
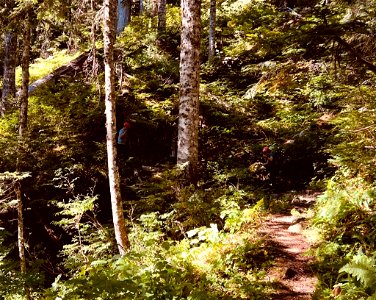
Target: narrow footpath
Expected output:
[291,273]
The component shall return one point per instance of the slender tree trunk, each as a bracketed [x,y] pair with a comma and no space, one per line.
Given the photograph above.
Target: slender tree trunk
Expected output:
[23,100]
[24,96]
[162,16]
[187,153]
[113,172]
[213,13]
[21,230]
[21,237]
[153,8]
[9,78]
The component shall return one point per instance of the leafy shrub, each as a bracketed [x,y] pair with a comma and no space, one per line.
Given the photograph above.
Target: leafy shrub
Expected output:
[206,264]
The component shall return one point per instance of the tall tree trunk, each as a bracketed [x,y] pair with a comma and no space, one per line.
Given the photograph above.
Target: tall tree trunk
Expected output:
[162,16]
[213,13]
[9,78]
[153,8]
[123,14]
[187,153]
[21,236]
[21,229]
[23,100]
[113,172]
[24,95]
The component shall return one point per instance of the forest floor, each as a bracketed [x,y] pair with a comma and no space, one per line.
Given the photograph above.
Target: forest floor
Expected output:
[285,238]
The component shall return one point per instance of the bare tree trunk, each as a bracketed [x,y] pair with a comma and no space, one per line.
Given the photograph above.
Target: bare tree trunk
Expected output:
[154,8]
[187,153]
[123,14]
[213,13]
[23,100]
[9,78]
[21,230]
[9,63]
[113,172]
[162,16]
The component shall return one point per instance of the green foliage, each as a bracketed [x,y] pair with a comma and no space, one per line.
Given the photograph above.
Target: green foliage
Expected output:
[345,212]
[151,62]
[8,183]
[206,264]
[353,150]
[12,281]
[8,142]
[345,217]
[91,241]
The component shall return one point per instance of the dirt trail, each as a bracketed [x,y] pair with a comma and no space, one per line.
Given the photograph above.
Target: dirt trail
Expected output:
[291,273]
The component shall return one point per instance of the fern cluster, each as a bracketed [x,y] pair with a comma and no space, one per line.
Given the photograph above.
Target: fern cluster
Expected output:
[361,278]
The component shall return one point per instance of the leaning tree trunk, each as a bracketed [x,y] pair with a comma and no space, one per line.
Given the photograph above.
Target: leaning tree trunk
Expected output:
[187,153]
[113,172]
[213,13]
[9,77]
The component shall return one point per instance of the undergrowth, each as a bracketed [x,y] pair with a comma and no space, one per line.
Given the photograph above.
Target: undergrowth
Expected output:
[345,218]
[206,263]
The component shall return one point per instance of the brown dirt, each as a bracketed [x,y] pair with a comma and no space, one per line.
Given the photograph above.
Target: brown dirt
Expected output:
[291,274]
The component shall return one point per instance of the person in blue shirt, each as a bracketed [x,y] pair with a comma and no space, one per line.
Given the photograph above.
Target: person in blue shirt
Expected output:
[122,137]
[122,141]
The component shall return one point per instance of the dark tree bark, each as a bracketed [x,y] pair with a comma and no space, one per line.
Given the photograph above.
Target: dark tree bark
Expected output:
[24,95]
[113,172]
[213,13]
[9,78]
[162,16]
[187,154]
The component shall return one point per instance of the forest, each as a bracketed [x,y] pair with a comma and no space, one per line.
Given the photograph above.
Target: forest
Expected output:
[233,110]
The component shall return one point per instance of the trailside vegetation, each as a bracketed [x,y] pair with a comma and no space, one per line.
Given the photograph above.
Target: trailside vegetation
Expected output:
[297,76]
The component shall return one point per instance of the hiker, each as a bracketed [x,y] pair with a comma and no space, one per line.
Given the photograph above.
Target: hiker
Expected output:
[268,155]
[122,139]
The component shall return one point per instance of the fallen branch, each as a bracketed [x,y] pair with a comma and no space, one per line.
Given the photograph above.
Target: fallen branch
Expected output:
[74,65]
[364,128]
[342,42]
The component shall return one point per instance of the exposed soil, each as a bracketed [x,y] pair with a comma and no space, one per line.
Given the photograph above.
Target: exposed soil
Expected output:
[291,274]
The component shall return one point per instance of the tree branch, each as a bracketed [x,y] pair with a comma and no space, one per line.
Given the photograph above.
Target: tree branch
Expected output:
[342,42]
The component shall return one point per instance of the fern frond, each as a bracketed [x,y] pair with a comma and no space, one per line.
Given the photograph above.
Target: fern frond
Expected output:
[363,268]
